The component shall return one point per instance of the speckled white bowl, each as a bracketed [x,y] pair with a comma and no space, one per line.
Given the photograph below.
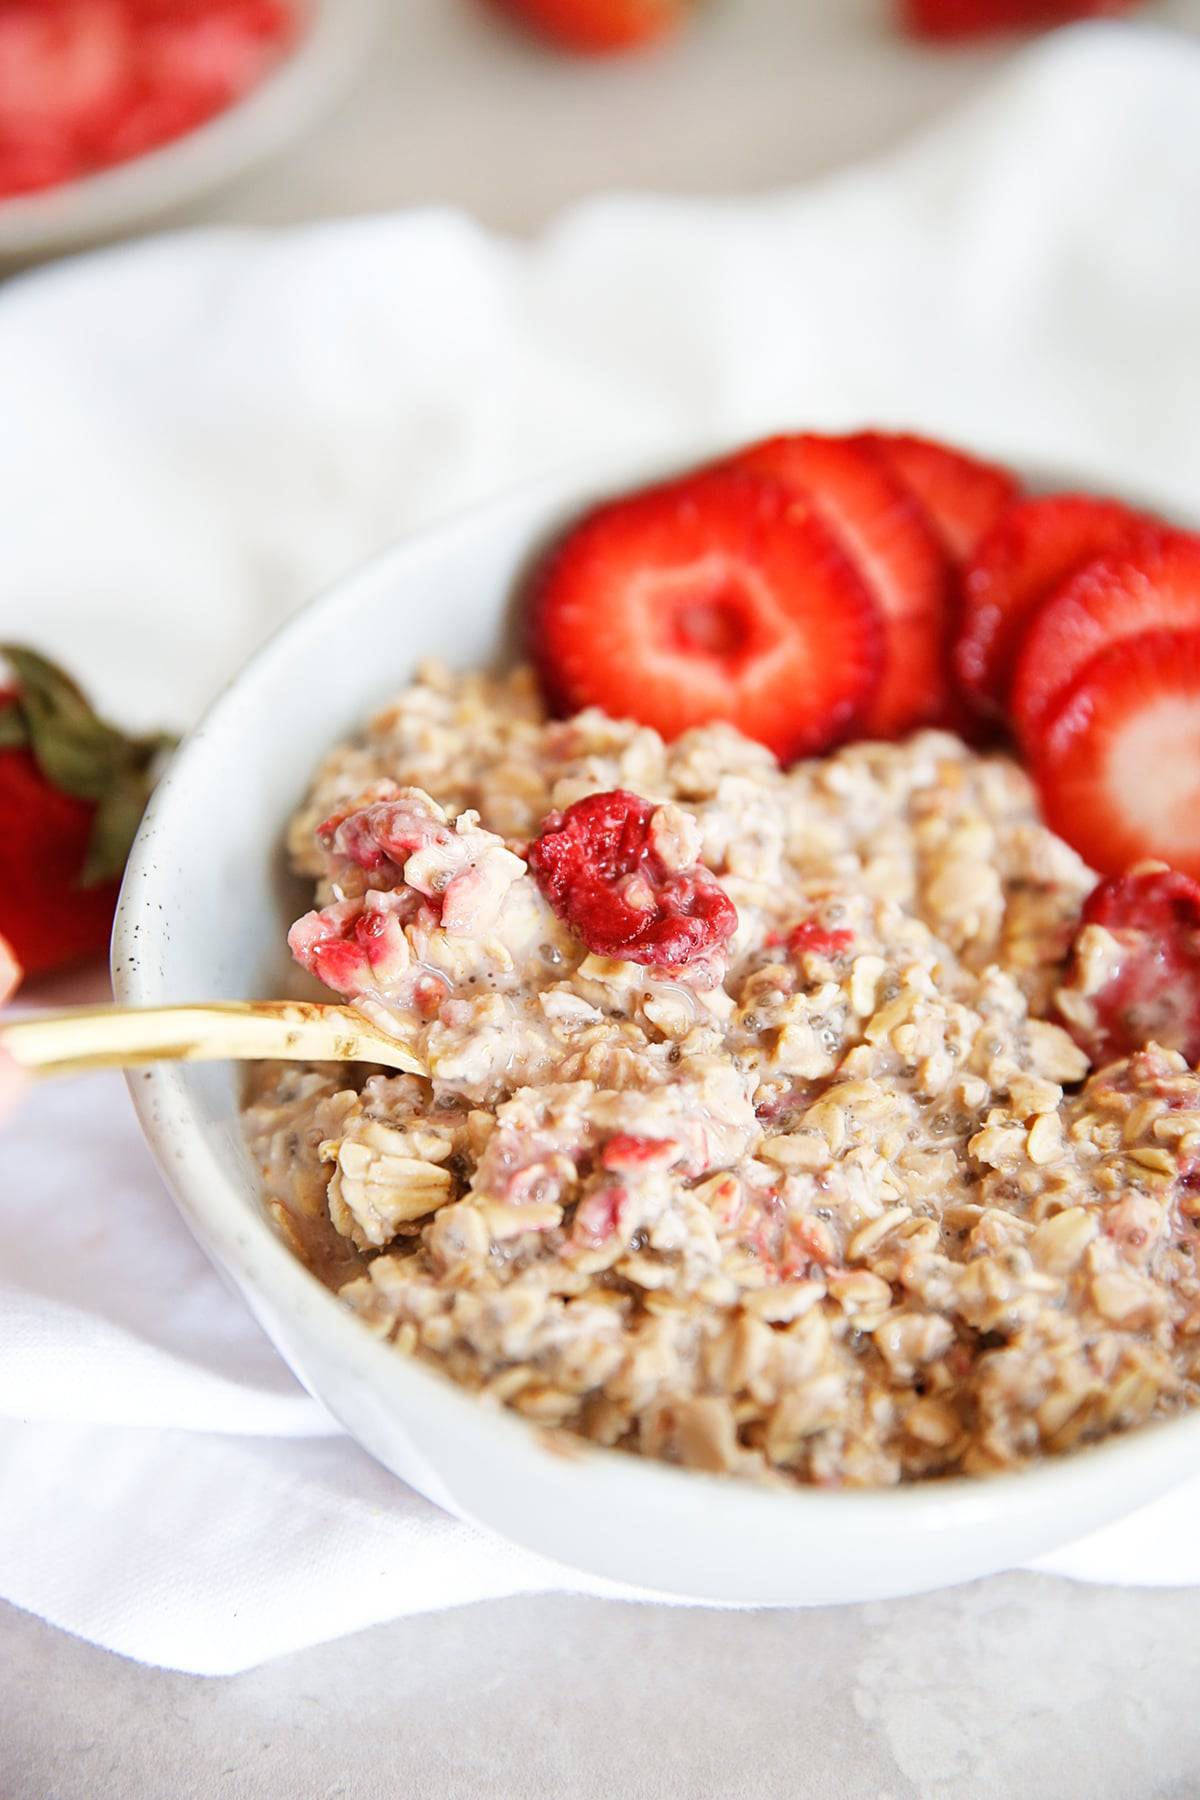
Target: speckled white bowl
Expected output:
[202,915]
[333,42]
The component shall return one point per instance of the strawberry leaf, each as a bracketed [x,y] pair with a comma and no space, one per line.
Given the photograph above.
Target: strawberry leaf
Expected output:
[14,733]
[81,754]
[114,827]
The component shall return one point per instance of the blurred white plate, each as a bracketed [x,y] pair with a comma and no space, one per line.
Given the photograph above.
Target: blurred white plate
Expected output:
[334,36]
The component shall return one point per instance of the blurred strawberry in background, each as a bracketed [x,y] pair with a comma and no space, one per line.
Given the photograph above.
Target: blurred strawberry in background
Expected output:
[976,18]
[85,84]
[599,27]
[605,27]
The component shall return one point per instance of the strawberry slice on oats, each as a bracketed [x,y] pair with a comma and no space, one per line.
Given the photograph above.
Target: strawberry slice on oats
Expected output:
[1117,762]
[720,596]
[1035,546]
[962,495]
[886,533]
[1108,601]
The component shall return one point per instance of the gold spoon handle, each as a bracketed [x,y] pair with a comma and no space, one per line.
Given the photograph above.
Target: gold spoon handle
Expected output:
[122,1037]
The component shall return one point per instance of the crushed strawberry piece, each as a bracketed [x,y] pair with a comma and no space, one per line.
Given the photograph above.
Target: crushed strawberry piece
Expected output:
[399,838]
[1130,1224]
[1187,1181]
[726,1202]
[808,935]
[598,866]
[883,528]
[599,1215]
[1117,761]
[1153,994]
[353,946]
[1154,900]
[379,838]
[719,596]
[631,1153]
[781,1260]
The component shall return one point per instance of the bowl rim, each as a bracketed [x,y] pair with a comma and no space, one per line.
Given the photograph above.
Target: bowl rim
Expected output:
[197,1178]
[312,76]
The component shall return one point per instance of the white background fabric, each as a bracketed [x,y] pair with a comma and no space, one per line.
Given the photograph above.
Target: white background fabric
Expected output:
[197,432]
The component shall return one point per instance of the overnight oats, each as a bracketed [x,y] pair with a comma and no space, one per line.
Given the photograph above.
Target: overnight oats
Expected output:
[824,1120]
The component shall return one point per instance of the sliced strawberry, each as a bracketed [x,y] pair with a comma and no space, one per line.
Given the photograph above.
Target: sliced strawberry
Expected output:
[721,596]
[1035,545]
[808,935]
[962,496]
[1118,761]
[884,529]
[154,118]
[355,946]
[1157,587]
[1151,991]
[974,18]
[1153,899]
[215,55]
[64,69]
[30,162]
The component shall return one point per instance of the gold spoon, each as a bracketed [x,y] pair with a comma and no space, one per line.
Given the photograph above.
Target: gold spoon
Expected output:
[126,1037]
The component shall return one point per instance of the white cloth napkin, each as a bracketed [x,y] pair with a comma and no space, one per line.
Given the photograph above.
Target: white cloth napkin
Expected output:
[198,431]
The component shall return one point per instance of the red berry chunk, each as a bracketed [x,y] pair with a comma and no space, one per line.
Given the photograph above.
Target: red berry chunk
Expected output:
[380,837]
[598,1215]
[638,1153]
[720,597]
[1153,993]
[962,496]
[1118,761]
[808,935]
[885,532]
[597,866]
[1036,545]
[353,946]
[63,63]
[1155,587]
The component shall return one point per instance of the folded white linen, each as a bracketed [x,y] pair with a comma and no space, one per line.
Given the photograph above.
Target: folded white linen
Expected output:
[198,431]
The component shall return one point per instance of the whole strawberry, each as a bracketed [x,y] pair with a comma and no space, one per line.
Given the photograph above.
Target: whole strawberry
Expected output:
[72,792]
[599,27]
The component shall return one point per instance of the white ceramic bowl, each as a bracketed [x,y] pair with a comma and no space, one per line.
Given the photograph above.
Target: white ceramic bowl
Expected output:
[202,915]
[334,37]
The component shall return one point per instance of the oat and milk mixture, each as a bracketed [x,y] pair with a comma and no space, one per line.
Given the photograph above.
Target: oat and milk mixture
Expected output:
[830,1199]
